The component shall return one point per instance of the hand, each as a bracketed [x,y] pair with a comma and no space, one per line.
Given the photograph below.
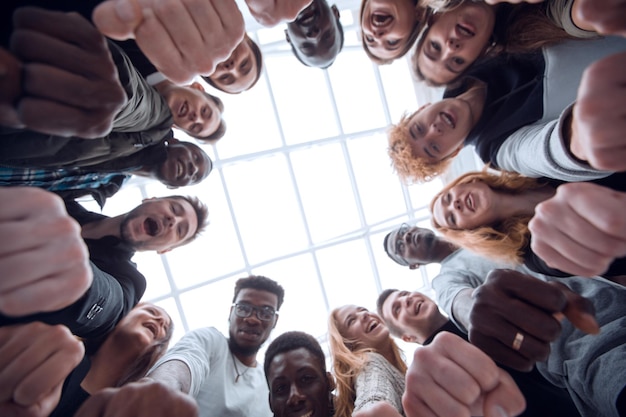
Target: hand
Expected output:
[139,399]
[35,359]
[272,12]
[580,230]
[10,89]
[599,116]
[509,303]
[450,377]
[70,83]
[512,1]
[607,17]
[43,258]
[182,38]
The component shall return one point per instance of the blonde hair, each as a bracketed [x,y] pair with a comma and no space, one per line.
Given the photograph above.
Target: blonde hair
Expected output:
[504,240]
[410,168]
[348,360]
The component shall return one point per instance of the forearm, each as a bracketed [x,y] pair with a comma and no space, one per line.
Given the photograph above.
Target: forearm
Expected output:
[174,373]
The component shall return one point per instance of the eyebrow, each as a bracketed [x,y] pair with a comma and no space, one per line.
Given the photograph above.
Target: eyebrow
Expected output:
[228,80]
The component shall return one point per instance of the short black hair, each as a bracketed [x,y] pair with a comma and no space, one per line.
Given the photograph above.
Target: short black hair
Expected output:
[293,340]
[261,283]
[394,330]
[340,27]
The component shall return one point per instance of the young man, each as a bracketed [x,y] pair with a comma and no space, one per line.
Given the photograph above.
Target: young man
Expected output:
[222,373]
[159,224]
[510,314]
[173,163]
[316,35]
[295,370]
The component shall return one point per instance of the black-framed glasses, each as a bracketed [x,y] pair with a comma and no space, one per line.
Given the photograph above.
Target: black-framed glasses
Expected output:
[262,313]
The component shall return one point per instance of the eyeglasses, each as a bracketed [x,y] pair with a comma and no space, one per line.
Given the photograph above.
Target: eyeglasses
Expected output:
[262,313]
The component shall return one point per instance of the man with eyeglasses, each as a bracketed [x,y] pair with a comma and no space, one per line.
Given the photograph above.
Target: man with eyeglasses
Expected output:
[222,374]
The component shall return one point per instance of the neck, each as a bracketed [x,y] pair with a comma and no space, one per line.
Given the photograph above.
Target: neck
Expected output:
[164,88]
[524,203]
[433,326]
[475,95]
[248,360]
[108,365]
[443,250]
[387,352]
[108,226]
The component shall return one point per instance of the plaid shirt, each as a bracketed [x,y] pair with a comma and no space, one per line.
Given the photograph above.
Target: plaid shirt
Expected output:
[57,179]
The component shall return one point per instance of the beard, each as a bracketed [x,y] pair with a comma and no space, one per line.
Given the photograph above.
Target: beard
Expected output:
[236,348]
[125,230]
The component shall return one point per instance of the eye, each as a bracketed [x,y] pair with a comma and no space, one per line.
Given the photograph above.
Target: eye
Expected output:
[245,64]
[179,231]
[446,198]
[458,62]
[435,46]
[393,42]
[369,39]
[452,220]
[307,379]
[279,389]
[400,246]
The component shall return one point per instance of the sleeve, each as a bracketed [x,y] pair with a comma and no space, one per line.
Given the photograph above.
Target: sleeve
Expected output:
[448,284]
[540,150]
[195,350]
[560,13]
[374,384]
[93,316]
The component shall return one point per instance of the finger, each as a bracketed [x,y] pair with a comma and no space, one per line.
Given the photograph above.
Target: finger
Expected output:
[580,311]
[66,27]
[503,352]
[118,19]
[505,397]
[35,47]
[415,407]
[22,203]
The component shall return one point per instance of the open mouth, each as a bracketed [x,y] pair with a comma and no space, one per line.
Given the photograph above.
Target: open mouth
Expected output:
[307,16]
[448,119]
[371,326]
[381,19]
[184,109]
[469,202]
[150,326]
[465,31]
[418,307]
[151,226]
[307,414]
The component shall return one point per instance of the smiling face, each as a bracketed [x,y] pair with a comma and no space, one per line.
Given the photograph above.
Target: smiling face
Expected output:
[159,224]
[298,385]
[386,26]
[186,164]
[144,325]
[247,334]
[363,328]
[415,245]
[239,72]
[454,40]
[411,312]
[315,35]
[466,206]
[437,131]
[193,111]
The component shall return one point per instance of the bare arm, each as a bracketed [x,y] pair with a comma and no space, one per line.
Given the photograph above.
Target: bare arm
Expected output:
[174,374]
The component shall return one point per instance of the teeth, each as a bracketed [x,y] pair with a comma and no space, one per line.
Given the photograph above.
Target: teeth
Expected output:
[446,118]
[309,414]
[380,20]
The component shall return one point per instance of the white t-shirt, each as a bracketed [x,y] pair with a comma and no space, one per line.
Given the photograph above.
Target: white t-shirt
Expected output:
[205,351]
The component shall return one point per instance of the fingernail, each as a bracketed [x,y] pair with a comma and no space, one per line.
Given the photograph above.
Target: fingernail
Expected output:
[126,11]
[498,411]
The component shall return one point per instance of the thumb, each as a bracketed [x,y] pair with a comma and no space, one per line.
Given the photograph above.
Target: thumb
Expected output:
[579,311]
[118,19]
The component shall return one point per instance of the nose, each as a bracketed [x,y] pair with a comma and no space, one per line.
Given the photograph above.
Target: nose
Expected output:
[457,203]
[229,63]
[295,396]
[169,221]
[192,115]
[379,33]
[312,32]
[454,44]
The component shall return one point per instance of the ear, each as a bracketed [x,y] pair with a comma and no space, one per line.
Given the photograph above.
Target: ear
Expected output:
[196,86]
[287,37]
[162,251]
[335,11]
[414,266]
[409,339]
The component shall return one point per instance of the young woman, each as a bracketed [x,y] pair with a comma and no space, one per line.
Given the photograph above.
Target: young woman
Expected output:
[461,32]
[516,110]
[127,353]
[389,28]
[368,365]
[489,213]
[241,71]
